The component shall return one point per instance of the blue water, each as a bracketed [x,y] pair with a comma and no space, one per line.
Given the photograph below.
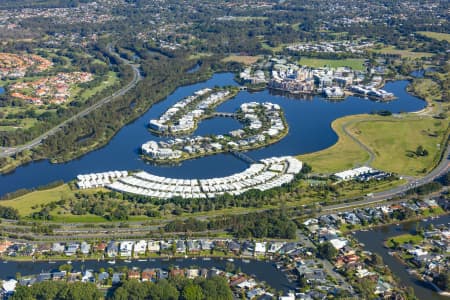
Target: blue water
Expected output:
[309,130]
[2,90]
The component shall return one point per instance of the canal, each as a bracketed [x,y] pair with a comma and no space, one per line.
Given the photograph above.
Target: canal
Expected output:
[262,270]
[373,241]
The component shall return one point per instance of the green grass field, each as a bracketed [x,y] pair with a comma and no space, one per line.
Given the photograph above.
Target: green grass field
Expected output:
[243,59]
[405,238]
[345,154]
[354,63]
[406,53]
[389,138]
[25,203]
[85,94]
[436,35]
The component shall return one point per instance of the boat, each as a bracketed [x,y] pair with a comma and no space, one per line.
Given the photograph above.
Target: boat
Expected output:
[5,261]
[247,261]
[69,262]
[152,259]
[230,259]
[206,258]
[142,260]
[111,262]
[51,262]
[127,261]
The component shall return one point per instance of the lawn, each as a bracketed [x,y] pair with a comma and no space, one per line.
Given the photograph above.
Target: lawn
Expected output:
[389,138]
[354,63]
[85,94]
[406,53]
[31,202]
[436,35]
[25,203]
[243,59]
[406,238]
[345,154]
[392,140]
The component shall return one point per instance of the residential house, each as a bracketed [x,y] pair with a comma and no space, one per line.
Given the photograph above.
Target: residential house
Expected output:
[140,247]
[126,248]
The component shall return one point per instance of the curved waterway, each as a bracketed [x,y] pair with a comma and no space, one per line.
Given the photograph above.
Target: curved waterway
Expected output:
[373,241]
[264,271]
[309,130]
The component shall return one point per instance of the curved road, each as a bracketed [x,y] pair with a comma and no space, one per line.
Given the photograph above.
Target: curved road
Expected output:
[136,78]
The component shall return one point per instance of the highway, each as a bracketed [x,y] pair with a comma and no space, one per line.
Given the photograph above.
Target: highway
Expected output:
[5,152]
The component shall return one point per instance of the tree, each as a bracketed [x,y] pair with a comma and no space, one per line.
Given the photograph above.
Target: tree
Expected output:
[192,292]
[216,288]
[326,250]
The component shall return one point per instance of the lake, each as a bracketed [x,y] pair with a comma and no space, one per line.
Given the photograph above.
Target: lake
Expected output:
[373,241]
[309,130]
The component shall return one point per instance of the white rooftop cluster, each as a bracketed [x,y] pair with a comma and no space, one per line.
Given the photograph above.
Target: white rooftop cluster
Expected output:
[270,173]
[156,151]
[256,116]
[332,47]
[350,174]
[94,180]
[171,120]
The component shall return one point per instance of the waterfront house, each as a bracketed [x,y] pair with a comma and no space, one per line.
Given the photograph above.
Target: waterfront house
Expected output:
[234,247]
[134,274]
[193,246]
[176,273]
[162,274]
[4,245]
[260,248]
[153,246]
[9,286]
[206,245]
[274,247]
[85,248]
[148,275]
[100,247]
[88,276]
[103,277]
[126,248]
[117,278]
[71,249]
[59,275]
[192,273]
[43,277]
[58,248]
[180,246]
[112,249]
[140,247]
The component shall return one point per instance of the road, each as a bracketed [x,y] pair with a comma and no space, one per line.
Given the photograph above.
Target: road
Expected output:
[440,170]
[5,152]
[329,268]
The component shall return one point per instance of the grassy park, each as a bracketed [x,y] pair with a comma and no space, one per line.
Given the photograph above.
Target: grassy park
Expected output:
[404,53]
[391,140]
[436,35]
[343,155]
[404,238]
[354,63]
[243,59]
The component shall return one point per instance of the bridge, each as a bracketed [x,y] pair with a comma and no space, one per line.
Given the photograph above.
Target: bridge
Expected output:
[243,157]
[225,114]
